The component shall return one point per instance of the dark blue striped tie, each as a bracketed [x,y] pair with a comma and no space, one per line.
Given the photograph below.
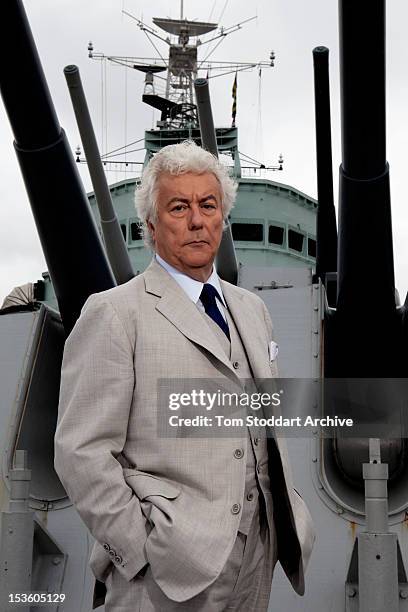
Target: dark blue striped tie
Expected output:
[207,297]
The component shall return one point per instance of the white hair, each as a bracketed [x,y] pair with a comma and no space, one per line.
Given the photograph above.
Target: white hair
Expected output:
[179,159]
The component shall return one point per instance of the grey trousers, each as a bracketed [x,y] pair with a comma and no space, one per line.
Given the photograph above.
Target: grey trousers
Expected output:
[244,584]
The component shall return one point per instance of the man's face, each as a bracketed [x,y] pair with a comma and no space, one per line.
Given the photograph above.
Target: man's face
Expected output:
[188,229]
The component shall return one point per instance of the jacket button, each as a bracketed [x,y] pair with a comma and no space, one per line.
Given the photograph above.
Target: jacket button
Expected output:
[256,441]
[236,508]
[106,546]
[250,496]
[238,453]
[118,559]
[258,468]
[235,365]
[112,553]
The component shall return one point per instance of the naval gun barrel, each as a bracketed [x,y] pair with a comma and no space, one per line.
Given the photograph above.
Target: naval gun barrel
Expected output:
[114,243]
[205,117]
[72,248]
[365,284]
[326,230]
[362,79]
[226,262]
[365,236]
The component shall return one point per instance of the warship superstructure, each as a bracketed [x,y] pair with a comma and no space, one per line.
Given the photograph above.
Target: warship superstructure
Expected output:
[272,224]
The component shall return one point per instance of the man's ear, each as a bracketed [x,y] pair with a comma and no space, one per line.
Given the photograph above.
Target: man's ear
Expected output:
[151,228]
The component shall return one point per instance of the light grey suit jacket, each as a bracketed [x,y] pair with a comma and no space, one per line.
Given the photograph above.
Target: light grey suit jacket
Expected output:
[115,468]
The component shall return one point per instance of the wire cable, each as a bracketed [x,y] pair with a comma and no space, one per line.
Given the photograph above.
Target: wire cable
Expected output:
[106,106]
[259,126]
[211,52]
[212,10]
[223,11]
[121,148]
[157,51]
[102,109]
[126,112]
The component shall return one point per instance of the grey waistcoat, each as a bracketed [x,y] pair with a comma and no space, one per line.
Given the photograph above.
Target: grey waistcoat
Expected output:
[257,481]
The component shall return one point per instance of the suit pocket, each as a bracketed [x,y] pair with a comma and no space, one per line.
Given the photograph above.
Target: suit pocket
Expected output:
[144,485]
[156,497]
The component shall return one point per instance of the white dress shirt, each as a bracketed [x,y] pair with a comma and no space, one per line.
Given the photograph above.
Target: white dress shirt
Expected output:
[194,287]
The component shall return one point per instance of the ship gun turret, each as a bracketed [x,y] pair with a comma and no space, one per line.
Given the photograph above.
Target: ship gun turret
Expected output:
[72,248]
[363,365]
[364,332]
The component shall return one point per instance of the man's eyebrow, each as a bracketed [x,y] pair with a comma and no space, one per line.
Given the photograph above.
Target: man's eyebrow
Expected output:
[177,199]
[208,197]
[186,200]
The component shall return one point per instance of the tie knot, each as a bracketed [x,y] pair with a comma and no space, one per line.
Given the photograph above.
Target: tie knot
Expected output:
[208,295]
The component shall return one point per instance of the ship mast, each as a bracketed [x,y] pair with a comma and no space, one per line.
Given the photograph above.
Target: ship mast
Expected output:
[176,101]
[184,38]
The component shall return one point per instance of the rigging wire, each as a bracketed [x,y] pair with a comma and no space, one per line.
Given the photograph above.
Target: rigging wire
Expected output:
[157,51]
[216,45]
[126,112]
[223,11]
[259,128]
[211,52]
[250,159]
[106,106]
[107,158]
[212,10]
[234,71]
[102,109]
[129,144]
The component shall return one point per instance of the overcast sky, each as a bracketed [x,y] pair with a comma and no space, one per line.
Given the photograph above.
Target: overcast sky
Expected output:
[275,113]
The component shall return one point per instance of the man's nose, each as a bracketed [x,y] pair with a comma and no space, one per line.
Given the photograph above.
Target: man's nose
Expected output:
[195,219]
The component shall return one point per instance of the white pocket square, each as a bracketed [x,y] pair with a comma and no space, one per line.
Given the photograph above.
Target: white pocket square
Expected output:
[273,350]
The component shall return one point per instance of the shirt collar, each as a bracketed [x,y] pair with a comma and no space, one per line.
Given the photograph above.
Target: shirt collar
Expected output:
[190,285]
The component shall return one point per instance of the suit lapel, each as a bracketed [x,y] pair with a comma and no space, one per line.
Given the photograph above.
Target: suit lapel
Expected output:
[254,340]
[177,307]
[248,327]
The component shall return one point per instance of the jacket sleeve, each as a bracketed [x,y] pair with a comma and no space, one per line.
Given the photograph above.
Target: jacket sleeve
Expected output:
[97,383]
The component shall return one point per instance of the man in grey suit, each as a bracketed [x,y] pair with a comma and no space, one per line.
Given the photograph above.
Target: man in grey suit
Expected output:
[181,523]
